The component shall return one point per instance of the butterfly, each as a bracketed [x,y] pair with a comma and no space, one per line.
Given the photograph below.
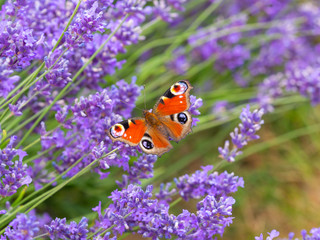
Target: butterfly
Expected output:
[169,118]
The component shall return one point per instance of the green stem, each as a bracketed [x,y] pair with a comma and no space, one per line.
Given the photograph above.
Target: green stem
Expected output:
[27,161]
[24,82]
[21,125]
[68,24]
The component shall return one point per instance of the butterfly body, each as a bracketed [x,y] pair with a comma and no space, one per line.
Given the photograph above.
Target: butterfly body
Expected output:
[151,119]
[169,119]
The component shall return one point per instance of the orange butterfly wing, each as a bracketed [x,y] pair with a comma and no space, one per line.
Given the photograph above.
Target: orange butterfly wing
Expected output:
[172,108]
[129,131]
[174,100]
[155,142]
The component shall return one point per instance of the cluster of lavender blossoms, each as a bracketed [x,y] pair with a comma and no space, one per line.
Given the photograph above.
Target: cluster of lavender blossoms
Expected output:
[13,172]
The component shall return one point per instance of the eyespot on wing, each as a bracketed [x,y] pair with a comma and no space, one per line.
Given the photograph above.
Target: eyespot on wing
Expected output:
[179,88]
[117,130]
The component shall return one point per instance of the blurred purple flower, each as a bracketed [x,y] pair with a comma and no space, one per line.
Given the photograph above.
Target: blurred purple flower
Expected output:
[270,89]
[7,81]
[272,235]
[16,109]
[195,104]
[26,226]
[250,123]
[179,64]
[304,78]
[310,11]
[220,109]
[231,58]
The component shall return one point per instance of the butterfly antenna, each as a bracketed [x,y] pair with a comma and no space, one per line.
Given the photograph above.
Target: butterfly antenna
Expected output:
[144,93]
[128,104]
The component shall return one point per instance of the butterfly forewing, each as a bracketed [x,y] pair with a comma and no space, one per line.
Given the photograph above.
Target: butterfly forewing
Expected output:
[174,100]
[129,131]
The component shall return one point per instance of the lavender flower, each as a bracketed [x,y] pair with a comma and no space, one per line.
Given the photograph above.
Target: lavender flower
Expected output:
[26,226]
[22,227]
[16,109]
[251,123]
[7,81]
[17,44]
[304,78]
[213,216]
[203,183]
[59,75]
[141,169]
[195,104]
[314,235]
[230,59]
[86,23]
[270,89]
[133,207]
[272,235]
[220,109]
[59,229]
[180,64]
[13,172]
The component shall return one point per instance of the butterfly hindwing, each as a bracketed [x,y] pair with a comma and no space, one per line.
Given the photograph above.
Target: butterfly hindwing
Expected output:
[129,131]
[155,141]
[178,125]
[174,100]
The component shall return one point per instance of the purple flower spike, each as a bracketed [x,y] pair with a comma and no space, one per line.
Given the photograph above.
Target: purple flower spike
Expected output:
[272,235]
[23,227]
[195,104]
[202,183]
[86,23]
[305,79]
[165,194]
[7,81]
[59,229]
[250,123]
[270,89]
[13,172]
[213,216]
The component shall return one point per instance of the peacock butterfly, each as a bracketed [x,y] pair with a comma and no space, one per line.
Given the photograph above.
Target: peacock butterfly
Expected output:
[169,118]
